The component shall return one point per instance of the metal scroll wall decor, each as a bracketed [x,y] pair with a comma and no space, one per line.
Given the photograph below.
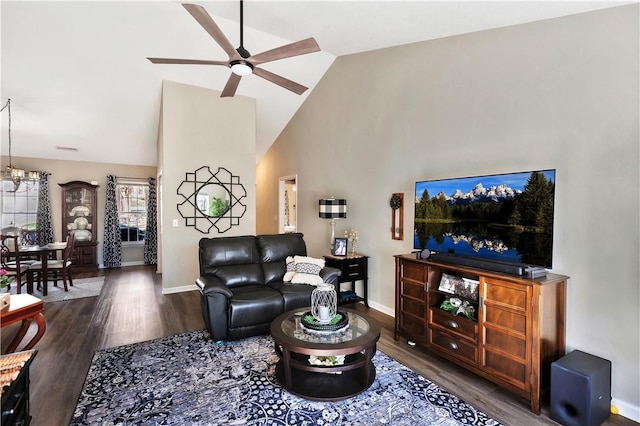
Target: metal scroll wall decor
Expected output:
[211,200]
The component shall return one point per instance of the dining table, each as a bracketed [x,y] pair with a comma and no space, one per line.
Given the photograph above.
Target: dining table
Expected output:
[43,252]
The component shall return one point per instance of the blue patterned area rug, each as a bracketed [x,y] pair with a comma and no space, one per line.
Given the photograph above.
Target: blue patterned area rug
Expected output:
[187,379]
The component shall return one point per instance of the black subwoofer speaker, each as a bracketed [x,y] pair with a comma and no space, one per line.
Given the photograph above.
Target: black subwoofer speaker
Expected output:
[580,389]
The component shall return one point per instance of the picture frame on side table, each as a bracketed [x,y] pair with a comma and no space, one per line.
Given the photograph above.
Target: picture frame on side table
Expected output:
[340,247]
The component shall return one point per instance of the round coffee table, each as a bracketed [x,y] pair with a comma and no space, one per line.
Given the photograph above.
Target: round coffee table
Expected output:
[295,345]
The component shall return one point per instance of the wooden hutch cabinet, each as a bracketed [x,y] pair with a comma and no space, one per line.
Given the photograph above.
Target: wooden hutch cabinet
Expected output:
[79,213]
[516,331]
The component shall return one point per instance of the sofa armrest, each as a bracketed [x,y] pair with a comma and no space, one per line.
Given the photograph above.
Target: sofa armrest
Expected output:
[214,301]
[208,285]
[330,275]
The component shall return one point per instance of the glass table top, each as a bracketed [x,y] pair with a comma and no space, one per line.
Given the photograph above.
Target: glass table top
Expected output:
[293,328]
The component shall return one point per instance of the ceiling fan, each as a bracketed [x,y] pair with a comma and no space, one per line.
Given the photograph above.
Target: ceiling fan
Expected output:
[240,60]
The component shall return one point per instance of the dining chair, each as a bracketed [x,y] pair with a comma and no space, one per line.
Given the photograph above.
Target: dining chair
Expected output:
[56,269]
[10,262]
[29,237]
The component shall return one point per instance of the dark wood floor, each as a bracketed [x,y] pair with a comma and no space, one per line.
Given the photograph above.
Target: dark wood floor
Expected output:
[131,308]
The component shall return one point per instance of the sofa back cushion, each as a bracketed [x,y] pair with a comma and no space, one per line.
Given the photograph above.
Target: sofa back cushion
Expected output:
[234,260]
[274,250]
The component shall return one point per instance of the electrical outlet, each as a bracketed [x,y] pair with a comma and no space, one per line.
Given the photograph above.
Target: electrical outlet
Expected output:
[175,223]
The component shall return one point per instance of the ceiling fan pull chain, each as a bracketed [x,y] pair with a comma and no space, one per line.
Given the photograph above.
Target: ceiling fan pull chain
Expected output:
[241,25]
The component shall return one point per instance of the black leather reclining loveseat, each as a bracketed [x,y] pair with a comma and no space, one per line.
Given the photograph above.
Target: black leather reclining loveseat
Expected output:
[241,283]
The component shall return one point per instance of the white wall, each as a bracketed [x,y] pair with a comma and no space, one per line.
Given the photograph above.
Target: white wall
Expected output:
[199,128]
[561,93]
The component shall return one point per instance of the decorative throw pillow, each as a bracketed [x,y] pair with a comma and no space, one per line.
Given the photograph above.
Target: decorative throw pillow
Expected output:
[291,269]
[307,270]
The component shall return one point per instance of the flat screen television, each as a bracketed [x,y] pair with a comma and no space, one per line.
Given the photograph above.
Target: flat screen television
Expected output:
[501,217]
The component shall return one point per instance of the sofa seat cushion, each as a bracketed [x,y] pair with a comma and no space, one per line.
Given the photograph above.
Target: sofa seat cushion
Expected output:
[295,295]
[254,304]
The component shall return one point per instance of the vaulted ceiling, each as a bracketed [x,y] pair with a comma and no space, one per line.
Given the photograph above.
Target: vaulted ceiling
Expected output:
[78,78]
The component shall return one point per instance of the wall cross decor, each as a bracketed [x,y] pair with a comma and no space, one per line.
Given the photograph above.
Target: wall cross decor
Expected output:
[211,200]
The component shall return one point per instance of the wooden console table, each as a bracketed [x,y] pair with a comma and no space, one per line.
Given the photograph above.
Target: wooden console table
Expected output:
[516,332]
[25,308]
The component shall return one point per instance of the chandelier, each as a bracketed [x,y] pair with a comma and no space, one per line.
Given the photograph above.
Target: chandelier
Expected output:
[12,173]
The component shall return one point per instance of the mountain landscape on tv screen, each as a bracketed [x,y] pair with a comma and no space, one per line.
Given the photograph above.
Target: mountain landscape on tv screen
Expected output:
[500,217]
[479,194]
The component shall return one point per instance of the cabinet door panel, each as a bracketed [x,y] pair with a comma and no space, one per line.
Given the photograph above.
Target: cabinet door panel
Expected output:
[414,272]
[514,345]
[412,326]
[505,293]
[508,369]
[506,319]
[413,307]
[412,290]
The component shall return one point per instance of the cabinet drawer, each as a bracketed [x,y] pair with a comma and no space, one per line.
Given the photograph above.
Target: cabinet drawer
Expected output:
[455,324]
[353,269]
[453,345]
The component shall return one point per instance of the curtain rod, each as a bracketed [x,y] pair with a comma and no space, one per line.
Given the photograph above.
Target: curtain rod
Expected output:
[144,179]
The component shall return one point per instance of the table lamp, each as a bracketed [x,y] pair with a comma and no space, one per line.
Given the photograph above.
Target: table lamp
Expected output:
[331,208]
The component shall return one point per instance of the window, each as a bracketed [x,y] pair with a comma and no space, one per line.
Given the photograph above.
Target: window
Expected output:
[19,208]
[132,210]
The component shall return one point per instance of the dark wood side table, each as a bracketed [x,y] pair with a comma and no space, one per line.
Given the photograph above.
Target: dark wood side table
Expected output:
[354,268]
[25,308]
[14,382]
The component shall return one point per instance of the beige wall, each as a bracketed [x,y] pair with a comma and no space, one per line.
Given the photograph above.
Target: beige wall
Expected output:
[67,171]
[561,93]
[199,128]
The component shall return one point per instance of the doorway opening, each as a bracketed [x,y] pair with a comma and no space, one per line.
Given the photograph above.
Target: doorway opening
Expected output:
[287,203]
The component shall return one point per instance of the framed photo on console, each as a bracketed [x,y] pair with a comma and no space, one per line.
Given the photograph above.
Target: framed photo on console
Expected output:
[339,247]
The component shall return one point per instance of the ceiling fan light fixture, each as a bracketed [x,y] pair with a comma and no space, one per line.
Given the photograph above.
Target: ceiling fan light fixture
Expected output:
[241,67]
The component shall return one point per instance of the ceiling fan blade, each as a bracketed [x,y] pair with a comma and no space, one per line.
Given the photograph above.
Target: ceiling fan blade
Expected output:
[201,15]
[231,86]
[297,48]
[280,81]
[187,61]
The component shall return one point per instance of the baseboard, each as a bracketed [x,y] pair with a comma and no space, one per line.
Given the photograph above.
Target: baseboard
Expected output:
[381,308]
[136,263]
[181,289]
[627,410]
